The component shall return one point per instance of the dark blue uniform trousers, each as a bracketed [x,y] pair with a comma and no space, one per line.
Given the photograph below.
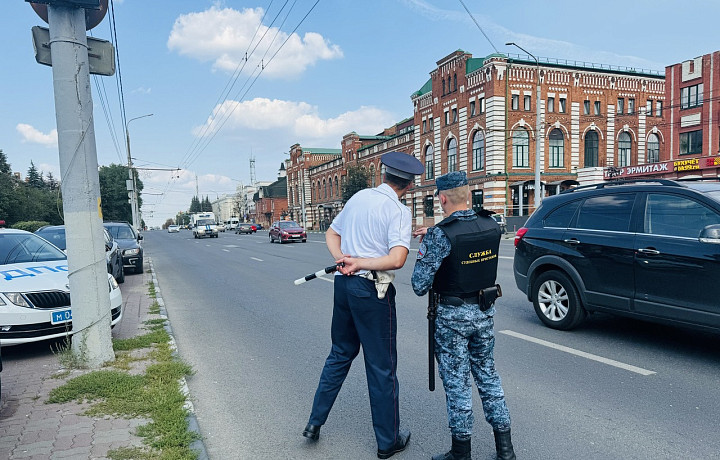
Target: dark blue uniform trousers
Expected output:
[360,318]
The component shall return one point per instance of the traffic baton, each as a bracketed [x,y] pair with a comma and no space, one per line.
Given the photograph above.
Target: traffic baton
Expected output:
[322,272]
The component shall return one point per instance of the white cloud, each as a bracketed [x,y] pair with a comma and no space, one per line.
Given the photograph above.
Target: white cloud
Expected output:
[224,35]
[34,136]
[299,119]
[141,90]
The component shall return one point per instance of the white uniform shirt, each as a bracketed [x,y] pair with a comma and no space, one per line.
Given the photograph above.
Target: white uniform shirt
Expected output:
[372,222]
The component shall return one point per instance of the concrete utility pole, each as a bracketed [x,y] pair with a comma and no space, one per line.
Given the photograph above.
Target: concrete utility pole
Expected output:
[538,129]
[80,186]
[131,181]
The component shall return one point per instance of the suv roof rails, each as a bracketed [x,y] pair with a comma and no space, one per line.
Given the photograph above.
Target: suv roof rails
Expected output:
[624,182]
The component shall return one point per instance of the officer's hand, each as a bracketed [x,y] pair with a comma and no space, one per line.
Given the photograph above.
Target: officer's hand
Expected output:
[350,265]
[421,232]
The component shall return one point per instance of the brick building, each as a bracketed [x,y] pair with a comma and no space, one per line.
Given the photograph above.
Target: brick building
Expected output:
[301,191]
[478,115]
[271,202]
[692,123]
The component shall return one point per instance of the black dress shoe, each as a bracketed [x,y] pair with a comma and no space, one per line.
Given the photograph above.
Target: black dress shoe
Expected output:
[400,445]
[312,432]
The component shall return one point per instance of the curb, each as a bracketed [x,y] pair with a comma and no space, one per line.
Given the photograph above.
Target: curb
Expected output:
[193,426]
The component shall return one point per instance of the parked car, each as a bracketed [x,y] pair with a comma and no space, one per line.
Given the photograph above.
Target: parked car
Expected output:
[173,228]
[258,226]
[34,291]
[129,242]
[500,219]
[287,230]
[645,249]
[220,227]
[55,234]
[244,228]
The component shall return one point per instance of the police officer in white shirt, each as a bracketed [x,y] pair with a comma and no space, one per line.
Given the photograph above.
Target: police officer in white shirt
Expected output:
[371,234]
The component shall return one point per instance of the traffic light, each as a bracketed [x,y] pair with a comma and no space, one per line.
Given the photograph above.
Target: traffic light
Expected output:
[87,4]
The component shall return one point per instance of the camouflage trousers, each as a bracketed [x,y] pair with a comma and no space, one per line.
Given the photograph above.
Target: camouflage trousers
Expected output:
[464,344]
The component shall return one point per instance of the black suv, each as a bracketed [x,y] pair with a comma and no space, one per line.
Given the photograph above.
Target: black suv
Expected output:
[648,249]
[129,243]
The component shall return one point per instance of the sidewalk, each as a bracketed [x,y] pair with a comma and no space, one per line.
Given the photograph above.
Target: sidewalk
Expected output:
[32,429]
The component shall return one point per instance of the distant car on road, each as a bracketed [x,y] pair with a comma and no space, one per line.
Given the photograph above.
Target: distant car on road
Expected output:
[129,242]
[113,255]
[258,226]
[34,293]
[220,227]
[244,228]
[173,228]
[287,230]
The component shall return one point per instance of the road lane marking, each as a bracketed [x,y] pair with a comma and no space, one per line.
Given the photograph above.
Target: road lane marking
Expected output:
[255,258]
[582,354]
[226,250]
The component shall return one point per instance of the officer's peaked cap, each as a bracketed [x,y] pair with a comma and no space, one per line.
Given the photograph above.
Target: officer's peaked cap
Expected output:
[450,180]
[402,165]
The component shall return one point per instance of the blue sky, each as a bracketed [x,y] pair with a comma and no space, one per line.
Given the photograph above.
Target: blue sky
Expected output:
[350,66]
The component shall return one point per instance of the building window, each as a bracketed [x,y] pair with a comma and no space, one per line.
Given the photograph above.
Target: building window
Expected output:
[563,104]
[454,116]
[653,149]
[591,149]
[526,102]
[429,206]
[597,107]
[648,108]
[551,104]
[481,105]
[452,155]
[325,190]
[624,147]
[472,108]
[691,142]
[330,186]
[557,149]
[586,107]
[631,106]
[520,145]
[337,187]
[515,102]
[372,175]
[691,96]
[443,87]
[414,207]
[429,163]
[455,82]
[658,108]
[447,118]
[478,151]
[477,200]
[621,106]
[424,126]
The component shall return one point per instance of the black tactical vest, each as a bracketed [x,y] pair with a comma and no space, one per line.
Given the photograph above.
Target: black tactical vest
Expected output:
[473,260]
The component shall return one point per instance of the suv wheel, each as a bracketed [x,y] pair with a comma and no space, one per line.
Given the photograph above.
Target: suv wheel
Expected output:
[556,301]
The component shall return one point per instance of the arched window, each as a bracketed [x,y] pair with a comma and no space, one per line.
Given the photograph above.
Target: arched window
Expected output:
[455,82]
[478,151]
[337,187]
[591,149]
[429,162]
[452,155]
[624,147]
[372,175]
[319,195]
[653,149]
[557,149]
[330,187]
[324,189]
[520,145]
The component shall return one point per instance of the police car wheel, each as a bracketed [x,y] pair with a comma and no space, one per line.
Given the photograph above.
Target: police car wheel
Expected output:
[556,301]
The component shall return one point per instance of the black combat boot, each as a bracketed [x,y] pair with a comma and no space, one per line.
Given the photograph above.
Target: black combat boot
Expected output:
[503,444]
[460,450]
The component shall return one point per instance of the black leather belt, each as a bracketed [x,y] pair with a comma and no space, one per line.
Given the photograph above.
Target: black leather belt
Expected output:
[457,301]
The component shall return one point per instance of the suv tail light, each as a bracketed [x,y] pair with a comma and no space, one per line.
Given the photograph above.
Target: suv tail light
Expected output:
[519,234]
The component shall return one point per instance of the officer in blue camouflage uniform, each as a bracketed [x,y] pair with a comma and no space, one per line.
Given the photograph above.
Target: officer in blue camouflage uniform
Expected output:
[457,258]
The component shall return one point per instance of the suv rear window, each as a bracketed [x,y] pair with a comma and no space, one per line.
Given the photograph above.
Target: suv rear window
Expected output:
[561,217]
[607,212]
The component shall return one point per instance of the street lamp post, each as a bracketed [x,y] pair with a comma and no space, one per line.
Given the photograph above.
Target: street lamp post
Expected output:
[538,128]
[133,195]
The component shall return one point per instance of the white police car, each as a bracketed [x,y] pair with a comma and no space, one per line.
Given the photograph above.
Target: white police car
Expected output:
[34,290]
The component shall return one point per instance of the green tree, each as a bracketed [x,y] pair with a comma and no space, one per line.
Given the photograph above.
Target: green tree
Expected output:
[34,178]
[195,205]
[206,206]
[357,179]
[114,193]
[4,165]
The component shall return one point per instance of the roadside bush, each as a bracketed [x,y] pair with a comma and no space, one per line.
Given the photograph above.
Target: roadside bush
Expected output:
[29,225]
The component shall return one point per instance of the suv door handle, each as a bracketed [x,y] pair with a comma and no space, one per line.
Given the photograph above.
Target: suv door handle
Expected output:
[648,251]
[572,241]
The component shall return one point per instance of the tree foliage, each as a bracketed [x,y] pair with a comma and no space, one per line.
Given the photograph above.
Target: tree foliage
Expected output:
[31,200]
[114,193]
[357,179]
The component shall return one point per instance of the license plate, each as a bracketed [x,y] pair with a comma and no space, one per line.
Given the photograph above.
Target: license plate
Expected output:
[62,316]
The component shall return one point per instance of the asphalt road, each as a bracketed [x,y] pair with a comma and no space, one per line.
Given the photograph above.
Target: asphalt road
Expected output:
[614,388]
